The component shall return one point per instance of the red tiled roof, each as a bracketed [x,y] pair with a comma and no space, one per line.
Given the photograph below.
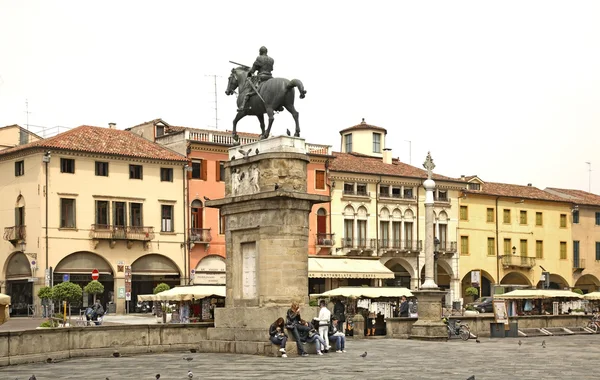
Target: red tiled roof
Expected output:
[515,191]
[359,163]
[103,141]
[577,196]
[363,125]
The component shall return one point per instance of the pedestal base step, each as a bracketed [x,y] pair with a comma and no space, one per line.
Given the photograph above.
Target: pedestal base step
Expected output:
[252,348]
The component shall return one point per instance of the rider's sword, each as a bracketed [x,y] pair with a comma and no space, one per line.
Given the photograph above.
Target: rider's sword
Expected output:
[239,64]
[249,81]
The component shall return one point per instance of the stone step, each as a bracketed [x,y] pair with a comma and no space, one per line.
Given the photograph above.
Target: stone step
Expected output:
[252,348]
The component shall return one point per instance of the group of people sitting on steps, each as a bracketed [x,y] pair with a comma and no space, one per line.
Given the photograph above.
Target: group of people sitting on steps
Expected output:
[322,331]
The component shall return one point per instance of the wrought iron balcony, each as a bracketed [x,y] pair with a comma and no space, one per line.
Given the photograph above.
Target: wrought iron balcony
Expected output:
[200,235]
[578,264]
[408,197]
[356,244]
[14,234]
[356,193]
[404,245]
[325,240]
[447,247]
[110,232]
[443,199]
[518,261]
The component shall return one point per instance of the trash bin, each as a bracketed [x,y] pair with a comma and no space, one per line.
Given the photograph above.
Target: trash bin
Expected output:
[497,330]
[513,331]
[112,308]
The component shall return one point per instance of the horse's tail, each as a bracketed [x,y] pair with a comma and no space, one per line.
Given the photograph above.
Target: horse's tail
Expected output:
[297,83]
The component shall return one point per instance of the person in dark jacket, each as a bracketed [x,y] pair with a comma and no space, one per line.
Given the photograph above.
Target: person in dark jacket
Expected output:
[295,327]
[277,335]
[339,312]
[404,308]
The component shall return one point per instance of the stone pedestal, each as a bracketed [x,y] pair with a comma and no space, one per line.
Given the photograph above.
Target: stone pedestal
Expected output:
[429,326]
[266,209]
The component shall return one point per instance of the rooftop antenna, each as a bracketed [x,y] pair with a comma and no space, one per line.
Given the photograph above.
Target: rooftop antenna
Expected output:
[27,114]
[590,176]
[216,102]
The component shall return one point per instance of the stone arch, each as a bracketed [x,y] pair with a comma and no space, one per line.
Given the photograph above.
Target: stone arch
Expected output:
[442,217]
[17,266]
[83,262]
[349,211]
[408,214]
[556,282]
[155,264]
[197,203]
[486,282]
[587,283]
[404,272]
[515,278]
[384,214]
[362,212]
[397,214]
[210,270]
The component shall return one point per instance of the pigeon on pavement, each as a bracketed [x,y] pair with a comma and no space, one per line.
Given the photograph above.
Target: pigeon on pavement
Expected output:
[477,341]
[544,343]
[190,374]
[157,376]
[32,377]
[472,377]
[363,355]
[520,343]
[189,359]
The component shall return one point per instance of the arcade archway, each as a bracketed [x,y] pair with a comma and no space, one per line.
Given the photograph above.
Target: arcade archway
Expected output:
[485,287]
[18,284]
[556,282]
[151,270]
[588,283]
[515,278]
[403,272]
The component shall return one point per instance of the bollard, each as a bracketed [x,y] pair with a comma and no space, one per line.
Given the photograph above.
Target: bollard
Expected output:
[359,326]
[64,313]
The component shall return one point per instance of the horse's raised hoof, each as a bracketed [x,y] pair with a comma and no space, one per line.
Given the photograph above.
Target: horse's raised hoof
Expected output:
[261,137]
[297,134]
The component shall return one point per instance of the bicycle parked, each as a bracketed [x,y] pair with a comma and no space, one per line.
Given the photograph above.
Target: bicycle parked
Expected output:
[455,327]
[594,323]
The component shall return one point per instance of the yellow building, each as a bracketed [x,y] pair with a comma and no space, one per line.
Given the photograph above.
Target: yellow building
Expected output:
[91,198]
[378,213]
[14,135]
[586,237]
[510,234]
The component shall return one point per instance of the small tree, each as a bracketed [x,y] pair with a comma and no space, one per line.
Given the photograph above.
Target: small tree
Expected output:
[471,291]
[578,291]
[161,288]
[94,287]
[67,291]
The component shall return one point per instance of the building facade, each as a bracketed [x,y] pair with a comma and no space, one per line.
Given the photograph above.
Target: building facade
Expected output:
[91,198]
[510,234]
[586,237]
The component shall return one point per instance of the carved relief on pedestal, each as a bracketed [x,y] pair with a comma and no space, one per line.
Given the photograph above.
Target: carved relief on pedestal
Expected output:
[244,180]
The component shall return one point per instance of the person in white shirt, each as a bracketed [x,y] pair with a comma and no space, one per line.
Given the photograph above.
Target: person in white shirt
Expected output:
[324,318]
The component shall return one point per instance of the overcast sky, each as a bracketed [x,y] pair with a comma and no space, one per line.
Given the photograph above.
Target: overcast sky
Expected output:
[506,90]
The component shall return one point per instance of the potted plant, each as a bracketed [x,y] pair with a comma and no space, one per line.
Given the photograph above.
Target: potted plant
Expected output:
[471,294]
[161,312]
[470,310]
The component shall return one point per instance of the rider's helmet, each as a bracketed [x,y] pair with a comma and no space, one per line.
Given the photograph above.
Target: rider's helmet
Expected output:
[262,50]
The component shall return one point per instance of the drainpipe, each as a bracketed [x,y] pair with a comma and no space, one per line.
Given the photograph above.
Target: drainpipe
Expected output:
[377,216]
[46,162]
[497,248]
[186,256]
[418,264]
[328,182]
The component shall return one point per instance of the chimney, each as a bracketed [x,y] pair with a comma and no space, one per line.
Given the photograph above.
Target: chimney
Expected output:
[529,184]
[462,177]
[387,156]
[112,125]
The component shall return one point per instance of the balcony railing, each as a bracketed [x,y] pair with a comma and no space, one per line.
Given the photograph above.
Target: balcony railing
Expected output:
[359,243]
[224,138]
[325,240]
[200,235]
[14,234]
[110,232]
[444,199]
[400,245]
[578,263]
[408,197]
[357,193]
[318,149]
[447,247]
[518,261]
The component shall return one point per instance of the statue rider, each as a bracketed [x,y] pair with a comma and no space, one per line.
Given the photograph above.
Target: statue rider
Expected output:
[264,66]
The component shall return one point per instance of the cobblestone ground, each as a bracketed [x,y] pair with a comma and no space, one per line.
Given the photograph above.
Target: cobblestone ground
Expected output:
[563,358]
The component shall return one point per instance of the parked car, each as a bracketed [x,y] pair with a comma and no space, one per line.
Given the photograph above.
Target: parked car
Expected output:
[483,305]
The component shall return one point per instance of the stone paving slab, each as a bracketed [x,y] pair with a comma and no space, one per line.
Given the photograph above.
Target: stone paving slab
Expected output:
[564,357]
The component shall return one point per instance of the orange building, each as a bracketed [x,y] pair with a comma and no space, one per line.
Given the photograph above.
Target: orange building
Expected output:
[207,151]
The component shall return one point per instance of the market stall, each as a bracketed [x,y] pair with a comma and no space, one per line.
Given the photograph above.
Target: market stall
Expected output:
[594,301]
[541,301]
[374,304]
[196,302]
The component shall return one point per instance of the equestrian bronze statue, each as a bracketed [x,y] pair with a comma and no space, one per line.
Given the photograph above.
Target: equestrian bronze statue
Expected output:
[262,93]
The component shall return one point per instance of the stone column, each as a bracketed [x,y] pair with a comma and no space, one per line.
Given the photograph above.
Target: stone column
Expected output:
[429,326]
[429,283]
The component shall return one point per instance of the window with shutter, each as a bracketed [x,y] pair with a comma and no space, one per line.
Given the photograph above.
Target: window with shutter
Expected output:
[204,170]
[217,171]
[320,179]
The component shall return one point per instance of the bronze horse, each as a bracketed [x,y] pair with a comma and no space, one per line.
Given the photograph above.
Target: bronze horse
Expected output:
[278,93]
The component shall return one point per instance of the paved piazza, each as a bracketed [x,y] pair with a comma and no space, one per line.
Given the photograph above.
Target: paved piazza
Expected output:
[563,358]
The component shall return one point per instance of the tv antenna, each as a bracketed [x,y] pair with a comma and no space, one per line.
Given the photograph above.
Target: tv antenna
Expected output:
[27,114]
[589,176]
[216,100]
